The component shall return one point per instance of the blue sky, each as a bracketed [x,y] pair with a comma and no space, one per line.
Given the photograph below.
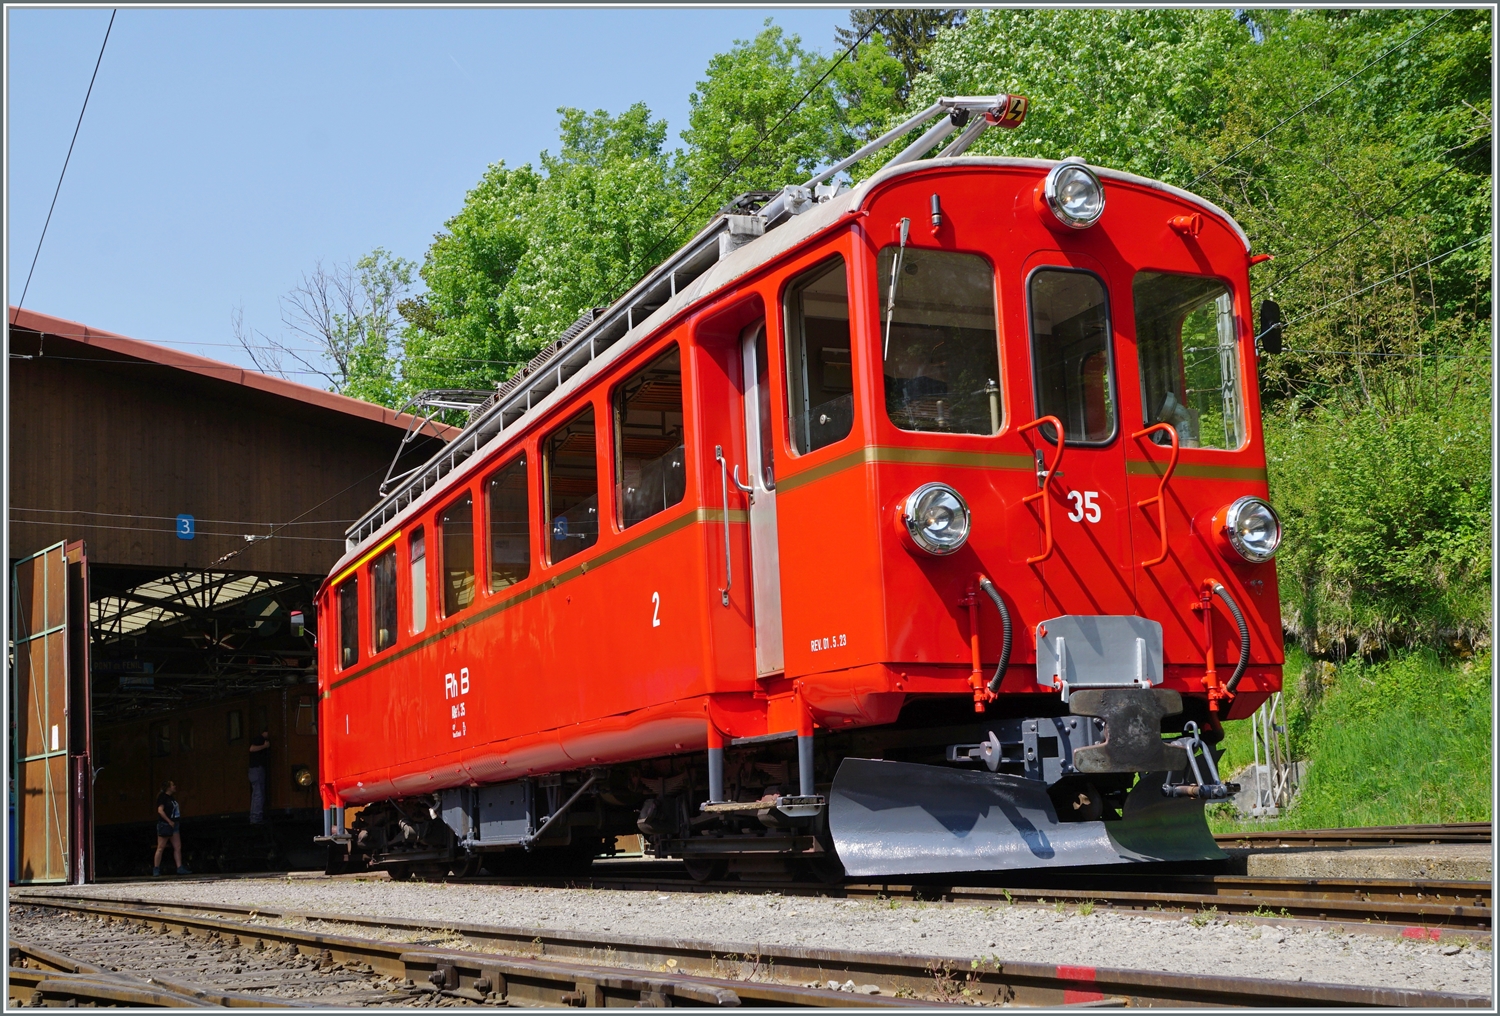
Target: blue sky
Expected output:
[225,152]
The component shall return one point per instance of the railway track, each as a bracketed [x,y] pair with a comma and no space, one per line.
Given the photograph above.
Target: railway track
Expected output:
[414,961]
[1369,836]
[1397,905]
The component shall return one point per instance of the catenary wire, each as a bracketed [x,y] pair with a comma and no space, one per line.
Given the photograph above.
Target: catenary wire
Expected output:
[20,303]
[714,187]
[1388,278]
[1366,224]
[168,532]
[1308,105]
[276,531]
[172,518]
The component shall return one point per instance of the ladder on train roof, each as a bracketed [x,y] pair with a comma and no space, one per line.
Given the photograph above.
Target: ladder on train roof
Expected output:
[600,328]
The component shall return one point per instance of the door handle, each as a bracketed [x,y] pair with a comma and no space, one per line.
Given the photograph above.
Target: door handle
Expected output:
[749,491]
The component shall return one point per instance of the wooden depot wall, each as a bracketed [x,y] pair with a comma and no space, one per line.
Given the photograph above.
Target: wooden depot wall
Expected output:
[111,449]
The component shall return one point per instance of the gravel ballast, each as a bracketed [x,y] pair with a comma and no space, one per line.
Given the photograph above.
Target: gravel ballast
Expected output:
[1237,946]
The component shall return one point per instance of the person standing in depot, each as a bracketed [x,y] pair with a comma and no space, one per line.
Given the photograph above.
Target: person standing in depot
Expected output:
[260,761]
[168,826]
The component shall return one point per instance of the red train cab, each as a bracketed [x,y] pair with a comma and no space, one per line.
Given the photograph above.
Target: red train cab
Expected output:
[915,527]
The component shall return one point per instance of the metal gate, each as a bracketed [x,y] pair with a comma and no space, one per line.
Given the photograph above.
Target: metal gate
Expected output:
[49,708]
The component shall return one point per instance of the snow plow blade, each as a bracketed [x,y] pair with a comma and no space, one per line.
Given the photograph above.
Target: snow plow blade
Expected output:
[896,818]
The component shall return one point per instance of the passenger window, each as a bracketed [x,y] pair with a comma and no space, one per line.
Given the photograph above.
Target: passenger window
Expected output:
[650,473]
[456,526]
[349,622]
[510,526]
[417,546]
[939,343]
[1070,354]
[383,599]
[1190,366]
[572,486]
[820,377]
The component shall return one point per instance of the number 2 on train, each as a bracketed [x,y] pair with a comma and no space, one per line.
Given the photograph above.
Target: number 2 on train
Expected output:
[1084,505]
[655,610]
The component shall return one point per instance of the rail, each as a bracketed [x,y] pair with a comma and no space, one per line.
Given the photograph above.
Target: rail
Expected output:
[527,966]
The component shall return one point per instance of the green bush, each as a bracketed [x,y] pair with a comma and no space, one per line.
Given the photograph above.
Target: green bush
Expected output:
[1387,524]
[1401,741]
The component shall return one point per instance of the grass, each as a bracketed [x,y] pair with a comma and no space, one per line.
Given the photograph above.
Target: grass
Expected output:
[1404,740]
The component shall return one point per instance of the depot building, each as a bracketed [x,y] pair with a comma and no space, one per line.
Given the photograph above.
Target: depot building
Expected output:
[170,518]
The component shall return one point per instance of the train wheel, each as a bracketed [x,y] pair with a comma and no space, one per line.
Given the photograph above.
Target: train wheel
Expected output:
[704,870]
[467,867]
[399,872]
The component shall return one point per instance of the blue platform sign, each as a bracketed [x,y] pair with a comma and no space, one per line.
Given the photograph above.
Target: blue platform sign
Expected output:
[185,527]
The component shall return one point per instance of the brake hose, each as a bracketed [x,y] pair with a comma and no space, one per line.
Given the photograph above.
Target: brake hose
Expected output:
[1004,664]
[1239,619]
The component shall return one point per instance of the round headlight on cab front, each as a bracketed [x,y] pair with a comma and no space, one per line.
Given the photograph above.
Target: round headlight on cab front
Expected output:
[1252,529]
[1074,193]
[302,777]
[936,518]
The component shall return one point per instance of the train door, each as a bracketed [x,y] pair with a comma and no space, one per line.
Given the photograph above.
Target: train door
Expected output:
[759,485]
[1087,569]
[1195,377]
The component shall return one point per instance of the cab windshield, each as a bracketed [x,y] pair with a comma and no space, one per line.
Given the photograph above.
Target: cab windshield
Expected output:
[1189,357]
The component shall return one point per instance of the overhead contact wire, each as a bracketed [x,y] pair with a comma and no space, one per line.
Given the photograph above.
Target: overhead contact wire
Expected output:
[1313,102]
[21,302]
[714,187]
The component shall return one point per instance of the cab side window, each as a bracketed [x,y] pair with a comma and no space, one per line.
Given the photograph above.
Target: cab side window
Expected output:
[510,526]
[650,473]
[383,600]
[348,595]
[1070,354]
[572,486]
[939,341]
[456,526]
[820,381]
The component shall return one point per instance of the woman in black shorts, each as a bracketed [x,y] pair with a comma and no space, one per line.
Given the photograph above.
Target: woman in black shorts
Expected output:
[167,826]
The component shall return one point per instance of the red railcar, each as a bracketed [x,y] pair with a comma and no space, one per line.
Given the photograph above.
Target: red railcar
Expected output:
[917,527]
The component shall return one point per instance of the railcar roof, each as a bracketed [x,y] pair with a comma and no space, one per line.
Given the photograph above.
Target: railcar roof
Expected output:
[466,447]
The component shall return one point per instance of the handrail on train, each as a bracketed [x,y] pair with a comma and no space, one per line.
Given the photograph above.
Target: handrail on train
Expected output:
[581,343]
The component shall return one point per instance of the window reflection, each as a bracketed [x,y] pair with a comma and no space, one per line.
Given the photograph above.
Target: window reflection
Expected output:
[456,526]
[650,466]
[572,487]
[1189,355]
[939,344]
[510,526]
[819,369]
[1070,354]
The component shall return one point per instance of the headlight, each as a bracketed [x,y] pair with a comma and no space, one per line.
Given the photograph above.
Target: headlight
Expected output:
[937,518]
[302,776]
[1252,529]
[1074,193]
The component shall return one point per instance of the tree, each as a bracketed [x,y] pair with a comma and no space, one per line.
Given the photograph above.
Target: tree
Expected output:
[349,315]
[907,31]
[746,130]
[1121,88]
[532,248]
